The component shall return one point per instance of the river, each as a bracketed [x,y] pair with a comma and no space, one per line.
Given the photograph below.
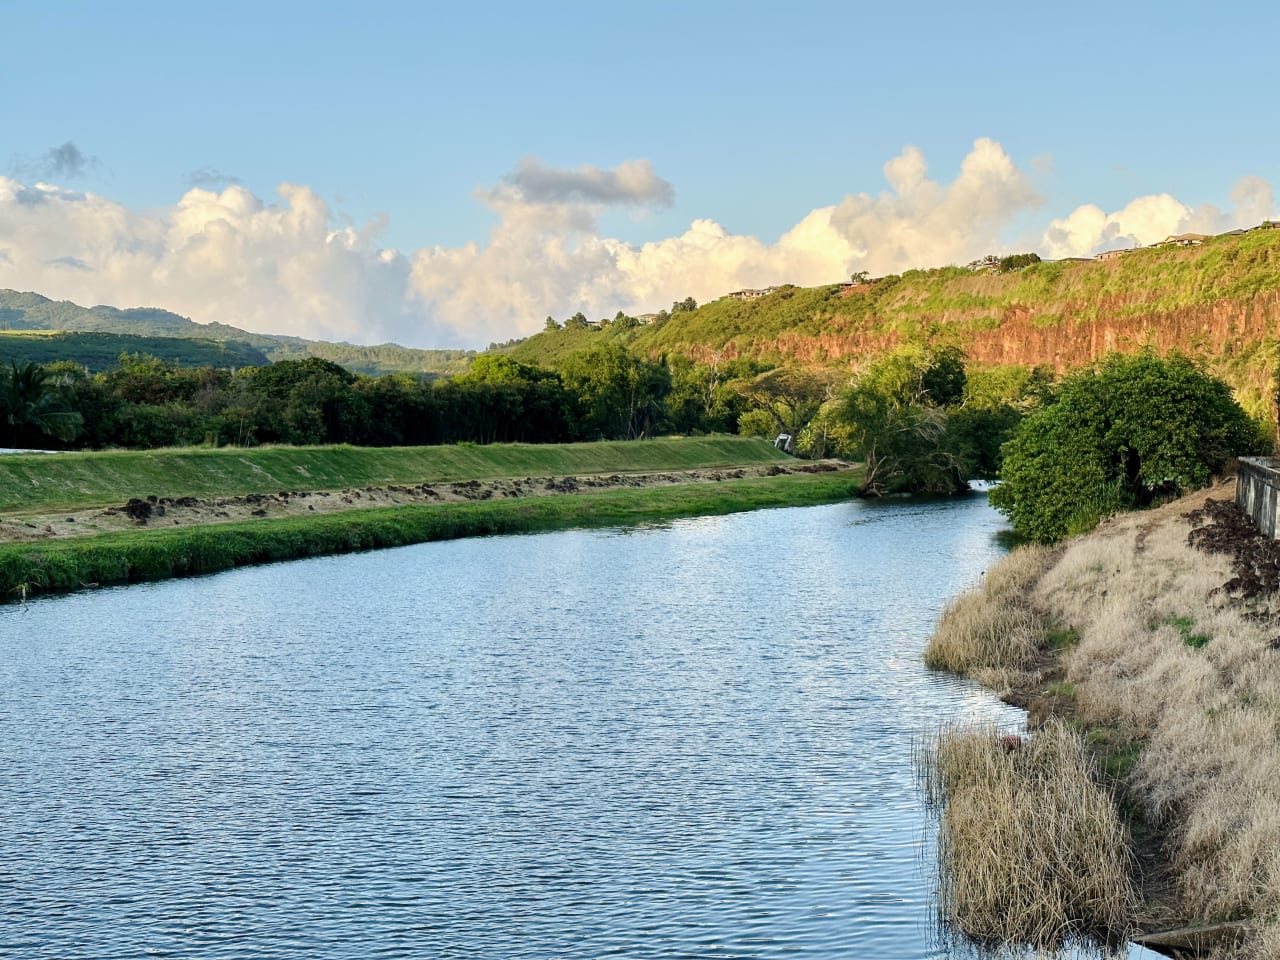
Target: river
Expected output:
[685,740]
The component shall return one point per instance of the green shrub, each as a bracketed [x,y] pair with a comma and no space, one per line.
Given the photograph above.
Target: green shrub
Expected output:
[1127,431]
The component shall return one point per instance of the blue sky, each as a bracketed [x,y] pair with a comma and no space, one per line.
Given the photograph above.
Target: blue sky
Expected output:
[755,114]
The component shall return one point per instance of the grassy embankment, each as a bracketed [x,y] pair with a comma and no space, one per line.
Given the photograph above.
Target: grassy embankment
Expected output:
[1173,686]
[66,481]
[152,554]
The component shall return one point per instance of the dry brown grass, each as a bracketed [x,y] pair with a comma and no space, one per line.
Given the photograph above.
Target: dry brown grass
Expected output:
[1264,946]
[992,627]
[1030,847]
[1166,662]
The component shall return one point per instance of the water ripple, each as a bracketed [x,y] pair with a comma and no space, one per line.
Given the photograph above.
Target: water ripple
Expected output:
[690,740]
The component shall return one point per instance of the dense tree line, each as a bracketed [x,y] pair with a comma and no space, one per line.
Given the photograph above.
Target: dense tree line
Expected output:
[1124,433]
[602,393]
[915,417]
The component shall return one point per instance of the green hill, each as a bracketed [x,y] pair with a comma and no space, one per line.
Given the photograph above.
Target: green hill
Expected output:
[32,312]
[1219,301]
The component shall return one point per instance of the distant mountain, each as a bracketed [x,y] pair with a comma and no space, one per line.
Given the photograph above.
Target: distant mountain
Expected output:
[31,311]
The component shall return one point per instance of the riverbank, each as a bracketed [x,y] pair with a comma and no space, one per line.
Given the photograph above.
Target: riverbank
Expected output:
[713,699]
[153,511]
[154,553]
[1155,638]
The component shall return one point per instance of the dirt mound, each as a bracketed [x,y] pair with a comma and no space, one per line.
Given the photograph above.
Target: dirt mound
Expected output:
[139,510]
[1222,527]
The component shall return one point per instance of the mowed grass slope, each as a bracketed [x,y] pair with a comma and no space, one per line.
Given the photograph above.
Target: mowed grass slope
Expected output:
[38,482]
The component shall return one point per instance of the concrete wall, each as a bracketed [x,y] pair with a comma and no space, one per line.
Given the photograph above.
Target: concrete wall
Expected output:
[1258,492]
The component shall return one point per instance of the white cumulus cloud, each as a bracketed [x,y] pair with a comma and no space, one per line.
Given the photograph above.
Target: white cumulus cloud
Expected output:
[284,265]
[215,256]
[546,248]
[1145,220]
[925,223]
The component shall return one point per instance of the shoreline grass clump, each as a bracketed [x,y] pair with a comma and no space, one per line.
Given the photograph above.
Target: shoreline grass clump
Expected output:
[1173,660]
[992,627]
[1031,849]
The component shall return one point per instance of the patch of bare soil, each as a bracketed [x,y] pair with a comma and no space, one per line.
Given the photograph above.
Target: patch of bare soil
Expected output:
[152,511]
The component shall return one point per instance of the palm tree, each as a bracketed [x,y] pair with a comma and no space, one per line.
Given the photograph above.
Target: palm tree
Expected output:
[29,402]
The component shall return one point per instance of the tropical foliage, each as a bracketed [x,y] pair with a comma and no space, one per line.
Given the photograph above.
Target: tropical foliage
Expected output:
[1127,431]
[914,421]
[605,392]
[30,407]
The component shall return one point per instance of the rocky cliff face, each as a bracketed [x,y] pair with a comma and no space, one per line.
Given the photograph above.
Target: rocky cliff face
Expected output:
[1212,330]
[1239,339]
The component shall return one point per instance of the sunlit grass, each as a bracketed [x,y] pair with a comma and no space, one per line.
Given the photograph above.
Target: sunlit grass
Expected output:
[1176,690]
[992,628]
[1030,847]
[72,480]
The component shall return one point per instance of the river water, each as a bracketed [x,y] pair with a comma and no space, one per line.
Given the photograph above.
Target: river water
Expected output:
[686,740]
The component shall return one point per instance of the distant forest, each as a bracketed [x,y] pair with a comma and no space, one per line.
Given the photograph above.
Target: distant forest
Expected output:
[98,352]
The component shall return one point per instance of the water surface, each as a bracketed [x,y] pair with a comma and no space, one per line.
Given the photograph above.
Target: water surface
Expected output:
[685,740]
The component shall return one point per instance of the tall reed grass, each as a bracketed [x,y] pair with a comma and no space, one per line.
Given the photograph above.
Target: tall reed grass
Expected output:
[992,627]
[1205,713]
[1030,847]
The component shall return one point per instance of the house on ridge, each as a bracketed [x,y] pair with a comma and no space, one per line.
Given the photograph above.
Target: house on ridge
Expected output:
[1182,240]
[753,294]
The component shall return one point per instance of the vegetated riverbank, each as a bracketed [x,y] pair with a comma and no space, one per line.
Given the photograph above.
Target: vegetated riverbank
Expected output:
[73,480]
[1155,637]
[156,511]
[153,554]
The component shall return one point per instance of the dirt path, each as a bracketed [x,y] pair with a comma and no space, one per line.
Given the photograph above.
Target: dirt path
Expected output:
[158,512]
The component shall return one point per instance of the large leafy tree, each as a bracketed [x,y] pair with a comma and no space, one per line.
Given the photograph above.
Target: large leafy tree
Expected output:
[787,397]
[300,401]
[1118,435]
[896,418]
[705,396]
[618,395]
[511,401]
[31,404]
